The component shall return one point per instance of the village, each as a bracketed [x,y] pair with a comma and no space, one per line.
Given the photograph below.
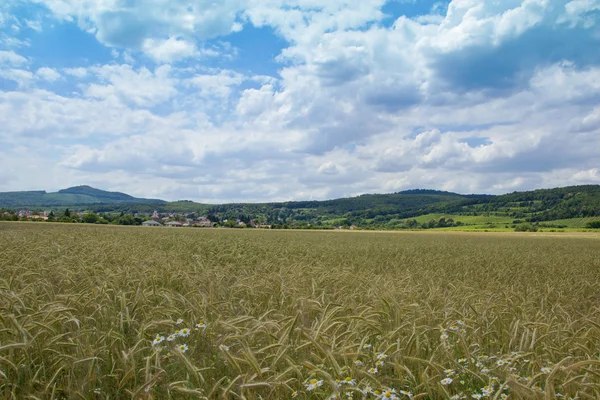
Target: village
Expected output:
[155,219]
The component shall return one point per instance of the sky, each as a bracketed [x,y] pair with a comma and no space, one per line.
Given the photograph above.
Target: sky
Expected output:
[272,100]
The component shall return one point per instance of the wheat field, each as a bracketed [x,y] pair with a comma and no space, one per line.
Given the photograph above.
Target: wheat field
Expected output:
[97,312]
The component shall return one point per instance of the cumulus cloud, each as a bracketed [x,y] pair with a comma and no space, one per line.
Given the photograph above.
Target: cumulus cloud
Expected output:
[48,74]
[474,97]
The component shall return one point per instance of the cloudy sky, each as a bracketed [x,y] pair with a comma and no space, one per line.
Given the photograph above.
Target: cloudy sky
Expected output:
[251,100]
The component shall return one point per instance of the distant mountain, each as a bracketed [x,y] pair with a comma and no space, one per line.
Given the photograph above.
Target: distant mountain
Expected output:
[73,196]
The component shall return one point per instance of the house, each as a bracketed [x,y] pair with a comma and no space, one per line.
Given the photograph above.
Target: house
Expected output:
[174,224]
[150,223]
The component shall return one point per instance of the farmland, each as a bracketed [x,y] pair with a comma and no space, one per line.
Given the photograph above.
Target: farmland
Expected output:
[91,312]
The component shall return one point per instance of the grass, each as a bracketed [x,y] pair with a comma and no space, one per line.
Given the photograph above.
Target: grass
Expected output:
[466,219]
[284,311]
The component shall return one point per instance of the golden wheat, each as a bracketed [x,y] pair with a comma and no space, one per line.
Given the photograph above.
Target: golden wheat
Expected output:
[87,312]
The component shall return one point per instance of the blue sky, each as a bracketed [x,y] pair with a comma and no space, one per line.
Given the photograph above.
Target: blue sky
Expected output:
[298,99]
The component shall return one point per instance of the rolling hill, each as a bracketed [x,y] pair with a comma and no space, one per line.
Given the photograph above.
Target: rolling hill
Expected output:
[406,209]
[73,196]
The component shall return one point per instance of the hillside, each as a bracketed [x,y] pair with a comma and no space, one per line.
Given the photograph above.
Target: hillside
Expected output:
[73,196]
[407,209]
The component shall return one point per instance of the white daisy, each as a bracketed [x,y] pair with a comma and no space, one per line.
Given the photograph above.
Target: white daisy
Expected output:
[183,348]
[313,384]
[372,371]
[184,332]
[222,347]
[179,321]
[446,381]
[201,325]
[157,340]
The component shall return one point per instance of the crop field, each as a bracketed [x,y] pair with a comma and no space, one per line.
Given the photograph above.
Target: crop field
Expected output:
[107,312]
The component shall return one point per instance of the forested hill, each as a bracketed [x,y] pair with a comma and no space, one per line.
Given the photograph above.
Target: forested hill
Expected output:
[74,196]
[365,210]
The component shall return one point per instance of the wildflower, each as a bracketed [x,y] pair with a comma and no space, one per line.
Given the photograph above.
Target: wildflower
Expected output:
[504,396]
[379,363]
[460,322]
[372,371]
[294,394]
[462,382]
[485,371]
[444,336]
[358,363]
[538,388]
[476,396]
[148,388]
[367,346]
[313,384]
[453,328]
[388,394]
[378,337]
[405,393]
[487,390]
[157,340]
[183,348]
[446,381]
[177,333]
[222,347]
[179,321]
[500,363]
[201,325]
[462,361]
[349,381]
[381,356]
[184,332]
[170,338]
[349,395]
[546,370]
[449,372]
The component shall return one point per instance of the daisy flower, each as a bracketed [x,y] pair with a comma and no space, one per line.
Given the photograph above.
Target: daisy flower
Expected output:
[476,396]
[313,384]
[183,348]
[388,395]
[379,363]
[404,392]
[179,321]
[546,370]
[170,338]
[184,332]
[358,363]
[222,347]
[367,346]
[381,356]
[177,333]
[294,394]
[372,371]
[157,340]
[449,372]
[446,381]
[500,363]
[444,336]
[349,381]
[201,325]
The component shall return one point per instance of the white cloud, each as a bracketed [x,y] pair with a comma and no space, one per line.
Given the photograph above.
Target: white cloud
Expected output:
[169,50]
[464,100]
[76,72]
[142,88]
[48,74]
[11,58]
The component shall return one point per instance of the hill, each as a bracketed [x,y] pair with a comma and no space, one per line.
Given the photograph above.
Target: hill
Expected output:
[418,208]
[73,196]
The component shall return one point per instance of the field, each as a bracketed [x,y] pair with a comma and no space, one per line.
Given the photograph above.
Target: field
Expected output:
[282,314]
